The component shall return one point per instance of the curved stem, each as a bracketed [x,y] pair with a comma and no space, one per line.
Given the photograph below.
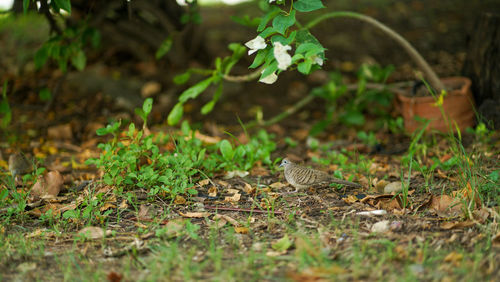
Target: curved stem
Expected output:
[419,60]
[306,100]
[290,111]
[242,78]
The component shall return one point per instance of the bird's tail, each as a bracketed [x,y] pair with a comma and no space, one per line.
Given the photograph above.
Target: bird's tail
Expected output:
[345,182]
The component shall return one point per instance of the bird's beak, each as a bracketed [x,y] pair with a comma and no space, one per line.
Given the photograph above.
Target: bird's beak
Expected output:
[281,164]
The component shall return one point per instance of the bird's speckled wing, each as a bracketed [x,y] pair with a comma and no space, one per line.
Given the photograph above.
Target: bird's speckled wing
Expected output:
[305,176]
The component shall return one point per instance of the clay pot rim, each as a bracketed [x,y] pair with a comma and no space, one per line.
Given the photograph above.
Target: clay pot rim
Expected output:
[462,91]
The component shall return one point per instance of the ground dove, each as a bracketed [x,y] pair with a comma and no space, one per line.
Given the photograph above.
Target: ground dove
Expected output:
[302,177]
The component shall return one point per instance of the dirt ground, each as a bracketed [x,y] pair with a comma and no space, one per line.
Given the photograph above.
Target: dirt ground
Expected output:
[251,228]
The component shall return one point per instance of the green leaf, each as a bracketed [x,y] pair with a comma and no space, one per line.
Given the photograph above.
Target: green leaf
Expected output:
[131,130]
[268,31]
[226,149]
[45,94]
[64,4]
[41,56]
[353,117]
[304,67]
[283,40]
[185,128]
[282,22]
[265,19]
[165,46]
[246,21]
[304,36]
[175,114]
[195,90]
[140,113]
[307,5]
[182,78]
[269,69]
[71,214]
[297,57]
[309,49]
[208,107]
[79,60]
[282,244]
[147,106]
[259,58]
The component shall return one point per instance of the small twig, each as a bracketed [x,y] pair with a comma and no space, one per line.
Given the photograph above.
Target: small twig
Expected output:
[239,209]
[243,78]
[412,52]
[44,8]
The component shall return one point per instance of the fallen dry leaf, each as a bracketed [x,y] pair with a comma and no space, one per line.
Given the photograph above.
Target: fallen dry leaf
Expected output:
[62,131]
[454,258]
[123,205]
[223,183]
[143,213]
[38,232]
[259,171]
[179,200]
[226,218]
[445,205]
[248,188]
[48,185]
[212,191]
[234,173]
[195,214]
[209,140]
[390,204]
[235,198]
[277,185]
[140,225]
[241,230]
[107,206]
[204,182]
[496,239]
[92,232]
[447,225]
[350,199]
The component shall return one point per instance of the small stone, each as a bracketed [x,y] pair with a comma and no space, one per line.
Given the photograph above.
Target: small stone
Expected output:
[417,269]
[393,187]
[381,226]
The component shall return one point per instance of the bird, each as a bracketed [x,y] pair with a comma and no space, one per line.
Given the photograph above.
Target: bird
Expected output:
[19,164]
[302,177]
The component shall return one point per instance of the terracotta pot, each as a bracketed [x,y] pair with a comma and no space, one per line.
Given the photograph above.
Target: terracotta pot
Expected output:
[458,105]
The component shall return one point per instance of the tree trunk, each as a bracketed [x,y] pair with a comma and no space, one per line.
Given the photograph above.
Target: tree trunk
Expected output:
[482,65]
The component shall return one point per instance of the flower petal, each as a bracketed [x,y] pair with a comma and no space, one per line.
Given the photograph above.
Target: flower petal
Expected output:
[281,55]
[270,79]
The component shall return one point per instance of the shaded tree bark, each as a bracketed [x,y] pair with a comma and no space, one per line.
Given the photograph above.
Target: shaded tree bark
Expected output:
[482,65]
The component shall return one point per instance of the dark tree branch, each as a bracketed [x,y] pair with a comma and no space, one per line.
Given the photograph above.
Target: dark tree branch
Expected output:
[45,9]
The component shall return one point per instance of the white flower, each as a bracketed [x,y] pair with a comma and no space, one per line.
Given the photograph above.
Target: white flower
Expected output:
[281,55]
[317,60]
[271,1]
[270,79]
[255,44]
